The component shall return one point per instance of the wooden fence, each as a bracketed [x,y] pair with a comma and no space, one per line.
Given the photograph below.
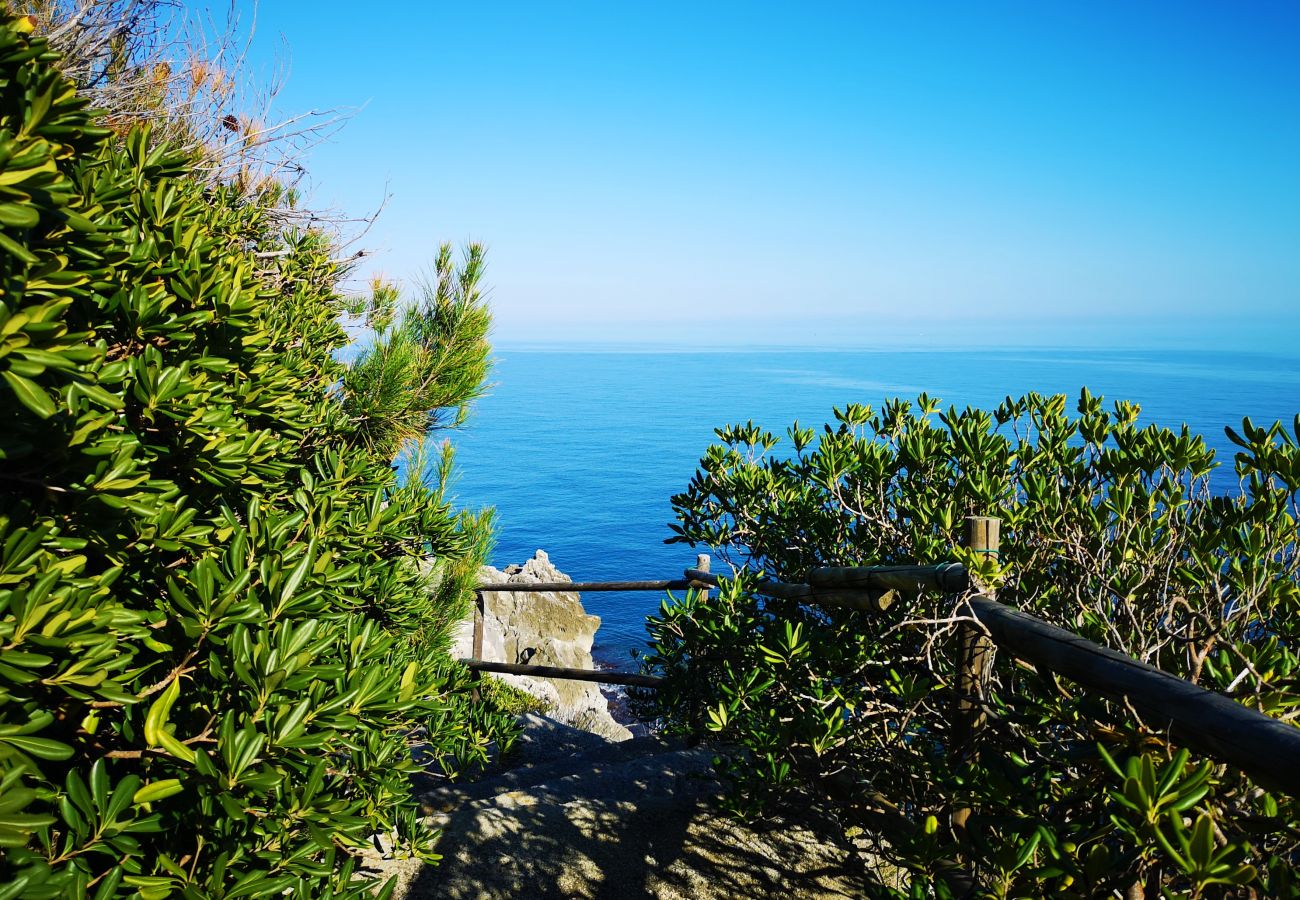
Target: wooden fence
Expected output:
[477,664]
[1266,748]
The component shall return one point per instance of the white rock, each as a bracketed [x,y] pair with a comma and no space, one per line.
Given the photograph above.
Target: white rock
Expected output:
[549,629]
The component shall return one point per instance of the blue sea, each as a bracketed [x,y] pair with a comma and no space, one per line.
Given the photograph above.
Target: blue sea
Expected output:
[579,452]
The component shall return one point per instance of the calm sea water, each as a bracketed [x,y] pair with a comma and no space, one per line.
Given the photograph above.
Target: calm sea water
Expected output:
[579,452]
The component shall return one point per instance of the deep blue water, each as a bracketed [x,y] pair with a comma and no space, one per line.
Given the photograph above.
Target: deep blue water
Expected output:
[579,451]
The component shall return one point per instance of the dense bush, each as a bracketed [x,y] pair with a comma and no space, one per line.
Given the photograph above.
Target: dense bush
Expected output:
[218,639]
[1109,529]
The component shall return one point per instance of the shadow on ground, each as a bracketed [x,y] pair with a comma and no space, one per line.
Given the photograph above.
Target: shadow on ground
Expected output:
[646,827]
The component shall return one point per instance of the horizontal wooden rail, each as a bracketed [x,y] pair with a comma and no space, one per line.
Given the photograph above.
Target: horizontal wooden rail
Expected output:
[699,577]
[947,577]
[867,596]
[625,678]
[1258,744]
[553,587]
[1265,747]
[478,665]
[830,582]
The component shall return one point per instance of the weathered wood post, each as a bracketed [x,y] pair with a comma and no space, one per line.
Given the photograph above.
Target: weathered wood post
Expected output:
[974,663]
[702,562]
[476,650]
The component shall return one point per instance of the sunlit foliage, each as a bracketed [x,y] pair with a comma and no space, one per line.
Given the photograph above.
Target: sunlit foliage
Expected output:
[1109,529]
[222,615]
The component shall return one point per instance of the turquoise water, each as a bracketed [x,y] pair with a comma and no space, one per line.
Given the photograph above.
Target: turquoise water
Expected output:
[579,452]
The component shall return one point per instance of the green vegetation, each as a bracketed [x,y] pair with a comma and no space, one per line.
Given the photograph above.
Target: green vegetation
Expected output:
[510,699]
[428,361]
[223,615]
[1111,530]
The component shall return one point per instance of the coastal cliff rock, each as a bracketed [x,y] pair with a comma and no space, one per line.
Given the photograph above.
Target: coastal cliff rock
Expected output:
[547,630]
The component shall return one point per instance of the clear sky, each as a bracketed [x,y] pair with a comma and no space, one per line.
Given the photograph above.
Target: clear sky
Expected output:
[816,173]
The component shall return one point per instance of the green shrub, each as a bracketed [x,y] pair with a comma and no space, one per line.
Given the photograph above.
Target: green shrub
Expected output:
[217,639]
[510,699]
[1109,529]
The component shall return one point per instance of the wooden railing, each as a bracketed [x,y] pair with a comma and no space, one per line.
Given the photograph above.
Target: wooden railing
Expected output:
[477,664]
[1258,744]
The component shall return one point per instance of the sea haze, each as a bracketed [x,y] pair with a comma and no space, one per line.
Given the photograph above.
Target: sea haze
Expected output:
[580,451]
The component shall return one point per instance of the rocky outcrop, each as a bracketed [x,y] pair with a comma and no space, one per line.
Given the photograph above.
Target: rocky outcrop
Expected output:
[546,630]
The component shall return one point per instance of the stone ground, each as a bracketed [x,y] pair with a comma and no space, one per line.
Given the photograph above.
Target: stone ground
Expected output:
[583,817]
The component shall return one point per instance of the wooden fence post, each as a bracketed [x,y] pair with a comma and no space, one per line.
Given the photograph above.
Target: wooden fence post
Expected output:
[476,650]
[974,664]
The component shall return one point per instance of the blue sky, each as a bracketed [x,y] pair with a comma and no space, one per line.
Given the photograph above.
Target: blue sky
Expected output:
[822,174]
